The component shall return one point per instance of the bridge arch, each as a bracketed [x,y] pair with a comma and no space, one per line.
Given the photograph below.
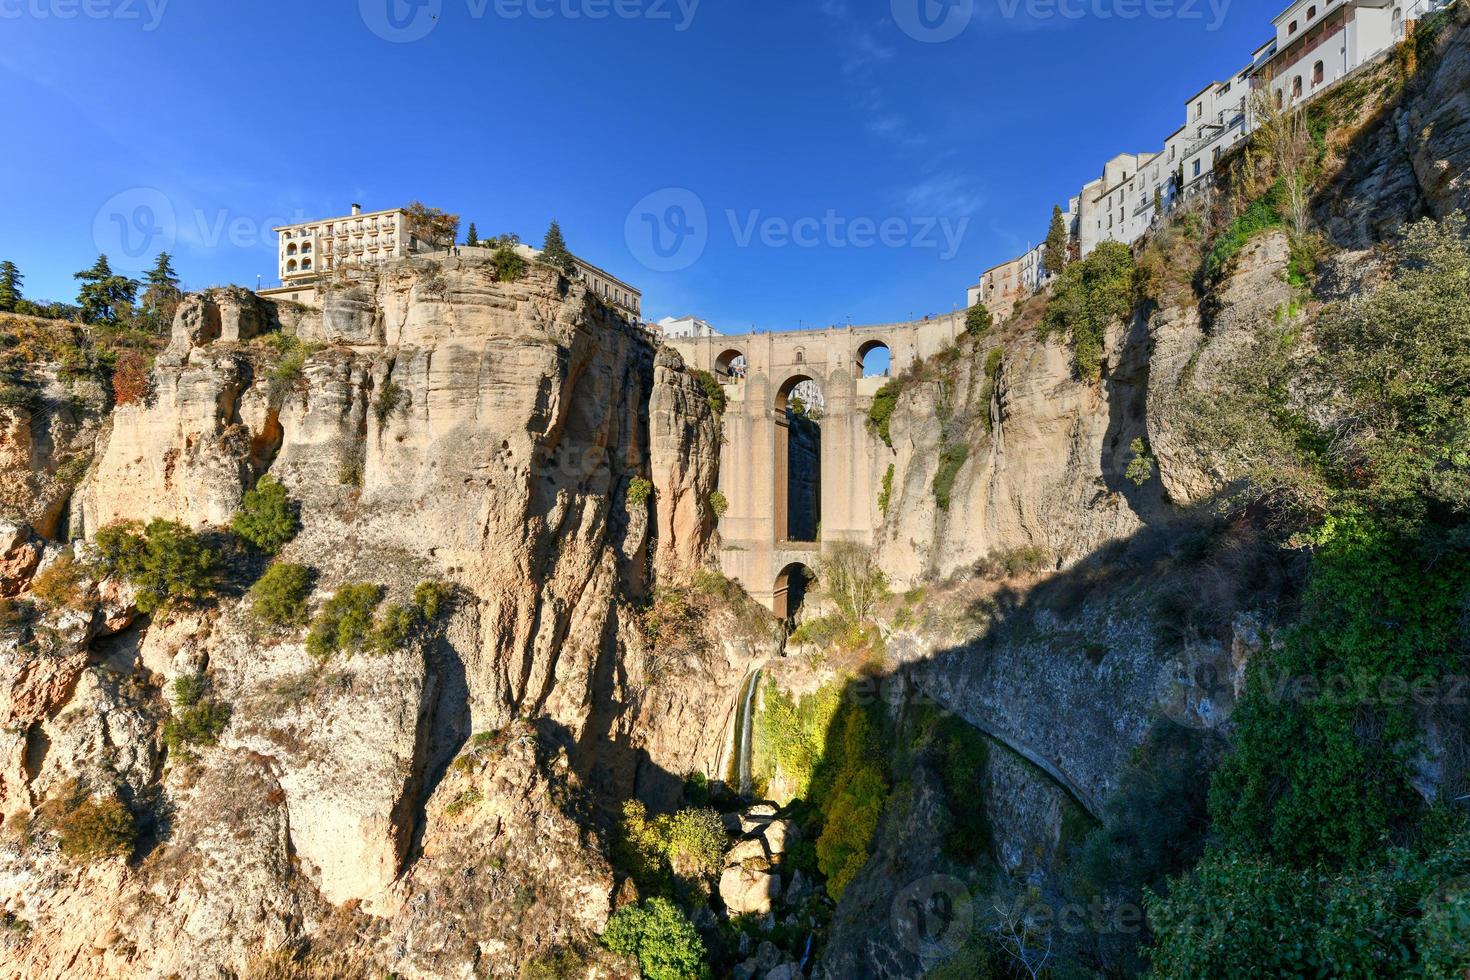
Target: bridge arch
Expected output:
[790,589]
[874,359]
[798,463]
[731,364]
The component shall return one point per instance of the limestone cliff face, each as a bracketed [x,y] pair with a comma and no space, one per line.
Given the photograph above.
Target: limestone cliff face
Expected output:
[433,423]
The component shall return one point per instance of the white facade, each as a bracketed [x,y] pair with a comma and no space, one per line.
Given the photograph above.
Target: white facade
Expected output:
[686,326]
[1316,44]
[310,249]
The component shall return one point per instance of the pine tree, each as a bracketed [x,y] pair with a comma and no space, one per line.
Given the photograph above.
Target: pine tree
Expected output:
[105,297]
[10,283]
[162,295]
[554,250]
[473,238]
[1055,257]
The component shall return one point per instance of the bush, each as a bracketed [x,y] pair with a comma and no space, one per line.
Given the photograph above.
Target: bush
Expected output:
[195,725]
[509,264]
[951,459]
[978,320]
[130,378]
[391,628]
[718,504]
[267,518]
[885,492]
[1016,561]
[660,937]
[559,964]
[849,788]
[431,597]
[1262,215]
[392,399]
[279,597]
[344,621]
[690,844]
[164,561]
[639,490]
[61,585]
[697,842]
[880,413]
[1088,296]
[712,391]
[1141,467]
[92,828]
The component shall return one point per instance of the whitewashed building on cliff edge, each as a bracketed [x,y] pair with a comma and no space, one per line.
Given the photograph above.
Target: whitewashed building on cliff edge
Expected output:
[1316,44]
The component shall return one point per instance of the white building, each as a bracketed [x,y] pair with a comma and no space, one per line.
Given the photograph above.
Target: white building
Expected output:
[309,250]
[686,326]
[1317,43]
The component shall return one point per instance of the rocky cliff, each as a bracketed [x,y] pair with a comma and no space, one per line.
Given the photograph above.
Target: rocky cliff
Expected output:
[432,424]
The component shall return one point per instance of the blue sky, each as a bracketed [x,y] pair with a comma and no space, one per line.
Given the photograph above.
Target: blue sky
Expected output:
[850,161]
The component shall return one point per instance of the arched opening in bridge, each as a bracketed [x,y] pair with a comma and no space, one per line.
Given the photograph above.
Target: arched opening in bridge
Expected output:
[798,411]
[874,360]
[790,591]
[730,366]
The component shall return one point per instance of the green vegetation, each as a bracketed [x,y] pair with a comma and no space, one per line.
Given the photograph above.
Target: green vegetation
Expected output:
[718,504]
[1088,296]
[1016,561]
[957,753]
[10,282]
[951,458]
[1261,215]
[1326,858]
[657,852]
[660,937]
[1141,467]
[267,518]
[885,492]
[849,788]
[392,399]
[431,598]
[790,736]
[712,391]
[978,320]
[279,597]
[880,414]
[1058,243]
[196,719]
[105,297]
[559,964]
[288,364]
[554,251]
[164,561]
[509,265]
[92,828]
[639,490]
[343,623]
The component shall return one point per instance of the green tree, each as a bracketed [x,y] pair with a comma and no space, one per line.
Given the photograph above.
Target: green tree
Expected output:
[161,294]
[660,937]
[554,250]
[473,237]
[978,319]
[105,297]
[267,518]
[10,283]
[1054,259]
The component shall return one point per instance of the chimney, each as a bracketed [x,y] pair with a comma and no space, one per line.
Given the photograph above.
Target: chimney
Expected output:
[357,209]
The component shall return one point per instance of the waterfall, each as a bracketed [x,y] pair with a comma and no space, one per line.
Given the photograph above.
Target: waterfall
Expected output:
[740,765]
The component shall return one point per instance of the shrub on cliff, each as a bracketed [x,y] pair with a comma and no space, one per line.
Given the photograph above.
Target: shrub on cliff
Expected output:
[849,789]
[344,621]
[978,320]
[508,263]
[880,413]
[62,584]
[1088,296]
[92,828]
[279,597]
[165,561]
[661,938]
[267,518]
[196,719]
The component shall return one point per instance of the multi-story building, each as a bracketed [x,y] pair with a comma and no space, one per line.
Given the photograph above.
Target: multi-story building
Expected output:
[309,250]
[1317,43]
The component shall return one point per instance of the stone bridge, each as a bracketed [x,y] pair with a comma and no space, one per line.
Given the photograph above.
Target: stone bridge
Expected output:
[797,482]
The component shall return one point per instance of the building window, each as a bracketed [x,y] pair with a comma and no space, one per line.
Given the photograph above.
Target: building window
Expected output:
[1296,87]
[1196,168]
[1291,28]
[1278,98]
[291,266]
[305,247]
[305,264]
[1317,72]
